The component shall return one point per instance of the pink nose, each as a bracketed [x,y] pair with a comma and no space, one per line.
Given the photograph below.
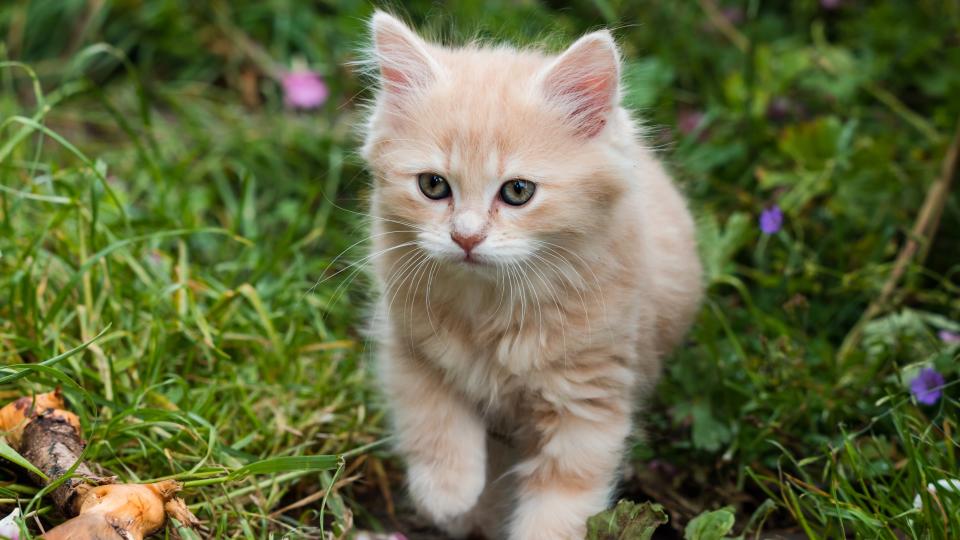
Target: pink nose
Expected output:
[467,242]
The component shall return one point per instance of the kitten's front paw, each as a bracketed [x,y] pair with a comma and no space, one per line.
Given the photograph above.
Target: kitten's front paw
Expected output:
[555,513]
[446,496]
[548,528]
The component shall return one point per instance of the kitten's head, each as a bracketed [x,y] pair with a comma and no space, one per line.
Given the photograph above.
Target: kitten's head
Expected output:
[490,155]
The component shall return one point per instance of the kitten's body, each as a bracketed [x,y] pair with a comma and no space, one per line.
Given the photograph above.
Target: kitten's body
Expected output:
[555,329]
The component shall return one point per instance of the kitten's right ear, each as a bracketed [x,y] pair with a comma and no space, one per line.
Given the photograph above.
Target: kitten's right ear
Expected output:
[404,59]
[585,81]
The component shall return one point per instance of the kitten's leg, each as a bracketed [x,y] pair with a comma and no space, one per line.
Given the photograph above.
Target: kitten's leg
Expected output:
[442,440]
[571,476]
[496,502]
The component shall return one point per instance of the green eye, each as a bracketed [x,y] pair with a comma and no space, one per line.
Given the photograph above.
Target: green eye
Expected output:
[433,186]
[517,192]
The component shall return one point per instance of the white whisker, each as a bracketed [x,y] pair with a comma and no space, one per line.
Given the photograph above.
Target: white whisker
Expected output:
[554,295]
[414,286]
[569,279]
[434,266]
[596,279]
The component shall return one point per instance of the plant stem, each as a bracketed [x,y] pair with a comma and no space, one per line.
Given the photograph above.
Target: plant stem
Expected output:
[917,244]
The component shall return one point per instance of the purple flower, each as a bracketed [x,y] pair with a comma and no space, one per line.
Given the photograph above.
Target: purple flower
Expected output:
[926,386]
[948,336]
[771,220]
[831,5]
[303,89]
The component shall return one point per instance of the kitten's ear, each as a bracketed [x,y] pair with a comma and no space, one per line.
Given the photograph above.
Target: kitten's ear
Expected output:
[585,80]
[404,59]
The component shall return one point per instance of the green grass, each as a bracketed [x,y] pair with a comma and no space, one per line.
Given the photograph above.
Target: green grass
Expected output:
[169,242]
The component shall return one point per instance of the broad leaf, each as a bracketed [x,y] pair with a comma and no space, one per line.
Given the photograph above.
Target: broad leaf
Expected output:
[626,521]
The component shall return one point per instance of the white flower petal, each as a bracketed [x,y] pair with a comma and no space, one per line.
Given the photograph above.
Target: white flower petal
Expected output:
[946,484]
[8,526]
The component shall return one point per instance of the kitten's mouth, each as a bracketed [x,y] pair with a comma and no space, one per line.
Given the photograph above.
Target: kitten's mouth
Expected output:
[472,260]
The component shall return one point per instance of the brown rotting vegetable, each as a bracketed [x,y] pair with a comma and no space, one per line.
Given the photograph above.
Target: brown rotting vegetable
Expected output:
[48,436]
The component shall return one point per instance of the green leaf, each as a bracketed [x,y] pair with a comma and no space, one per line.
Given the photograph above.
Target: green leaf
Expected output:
[710,525]
[288,463]
[67,289]
[645,80]
[6,379]
[24,370]
[718,247]
[708,433]
[812,144]
[11,455]
[626,521]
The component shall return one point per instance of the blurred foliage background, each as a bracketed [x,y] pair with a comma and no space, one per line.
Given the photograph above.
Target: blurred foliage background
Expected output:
[161,203]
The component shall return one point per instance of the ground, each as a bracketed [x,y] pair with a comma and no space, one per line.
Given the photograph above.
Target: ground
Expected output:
[181,251]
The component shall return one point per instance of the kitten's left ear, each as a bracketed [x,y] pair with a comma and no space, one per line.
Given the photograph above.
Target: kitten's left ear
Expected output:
[405,62]
[585,80]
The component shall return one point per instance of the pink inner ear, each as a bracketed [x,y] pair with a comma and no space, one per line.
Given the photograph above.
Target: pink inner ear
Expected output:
[405,64]
[402,70]
[584,81]
[593,97]
[394,78]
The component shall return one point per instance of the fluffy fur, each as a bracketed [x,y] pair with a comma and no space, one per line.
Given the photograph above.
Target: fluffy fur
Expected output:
[512,376]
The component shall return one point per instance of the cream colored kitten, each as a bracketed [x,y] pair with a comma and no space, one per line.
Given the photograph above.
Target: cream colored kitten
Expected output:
[535,262]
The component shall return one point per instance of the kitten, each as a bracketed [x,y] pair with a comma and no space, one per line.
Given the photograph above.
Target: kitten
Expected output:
[535,264]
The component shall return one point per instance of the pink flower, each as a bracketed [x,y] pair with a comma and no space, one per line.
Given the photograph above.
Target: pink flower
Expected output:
[304,89]
[689,121]
[948,336]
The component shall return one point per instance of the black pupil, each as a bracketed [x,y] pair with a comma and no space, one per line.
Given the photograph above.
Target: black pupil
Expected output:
[518,187]
[435,181]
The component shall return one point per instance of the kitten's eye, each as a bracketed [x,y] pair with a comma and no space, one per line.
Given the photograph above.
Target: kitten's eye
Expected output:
[517,192]
[433,186]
